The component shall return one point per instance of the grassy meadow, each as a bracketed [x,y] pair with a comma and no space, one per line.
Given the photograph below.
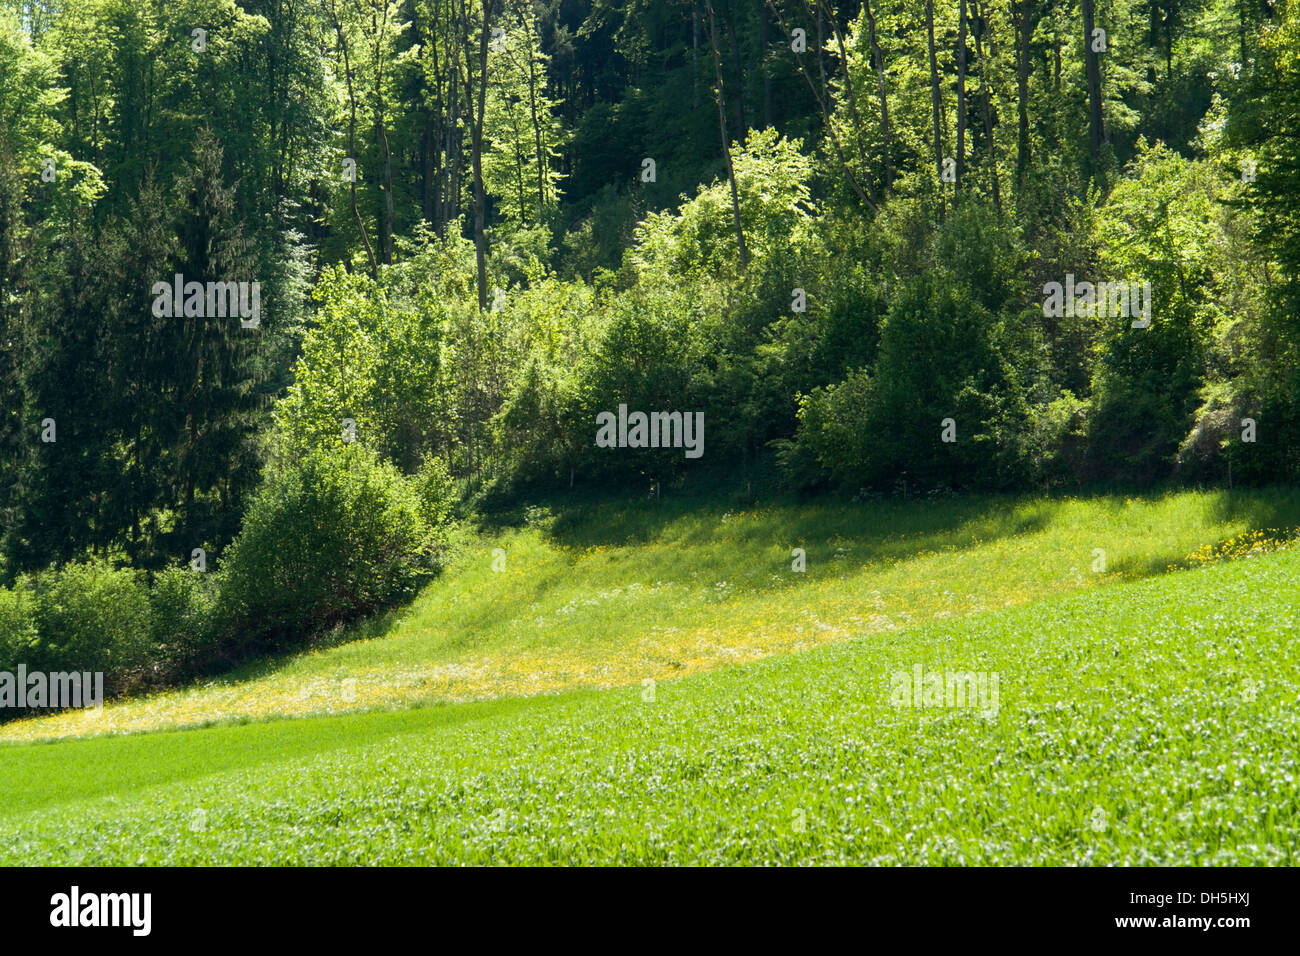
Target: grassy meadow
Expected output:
[617,593]
[602,700]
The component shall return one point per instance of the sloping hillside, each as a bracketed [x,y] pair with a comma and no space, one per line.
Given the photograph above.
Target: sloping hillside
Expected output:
[1151,721]
[618,593]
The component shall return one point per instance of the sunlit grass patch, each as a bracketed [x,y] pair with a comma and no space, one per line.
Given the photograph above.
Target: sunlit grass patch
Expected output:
[1152,722]
[616,594]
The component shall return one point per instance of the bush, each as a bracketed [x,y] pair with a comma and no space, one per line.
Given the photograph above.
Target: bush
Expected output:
[91,617]
[436,491]
[182,605]
[18,635]
[957,343]
[329,539]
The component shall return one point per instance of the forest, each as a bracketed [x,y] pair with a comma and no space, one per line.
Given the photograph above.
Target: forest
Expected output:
[292,289]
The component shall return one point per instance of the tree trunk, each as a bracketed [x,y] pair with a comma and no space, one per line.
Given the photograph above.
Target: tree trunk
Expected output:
[986,95]
[388,192]
[537,126]
[695,56]
[1095,126]
[879,62]
[427,140]
[726,142]
[1241,30]
[1024,33]
[452,149]
[742,124]
[475,102]
[443,77]
[936,101]
[848,88]
[862,192]
[767,74]
[382,130]
[352,137]
[428,160]
[961,92]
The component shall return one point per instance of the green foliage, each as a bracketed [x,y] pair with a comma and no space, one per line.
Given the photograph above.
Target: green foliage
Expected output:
[762,763]
[1157,226]
[521,166]
[91,617]
[231,159]
[370,360]
[955,345]
[554,328]
[1260,127]
[398,355]
[331,537]
[597,240]
[19,638]
[183,622]
[436,492]
[699,239]
[653,353]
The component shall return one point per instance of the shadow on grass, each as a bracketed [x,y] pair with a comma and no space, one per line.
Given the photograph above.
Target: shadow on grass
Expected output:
[875,530]
[907,526]
[377,625]
[1261,508]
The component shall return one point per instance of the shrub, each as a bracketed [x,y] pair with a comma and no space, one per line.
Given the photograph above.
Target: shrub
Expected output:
[18,634]
[182,604]
[436,491]
[91,617]
[333,537]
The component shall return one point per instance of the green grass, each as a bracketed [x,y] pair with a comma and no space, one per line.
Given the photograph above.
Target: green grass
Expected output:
[612,594]
[1149,721]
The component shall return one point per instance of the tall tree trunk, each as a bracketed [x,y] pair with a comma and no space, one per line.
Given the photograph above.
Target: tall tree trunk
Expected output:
[427,140]
[475,102]
[452,150]
[848,86]
[1095,126]
[537,126]
[519,175]
[821,51]
[879,62]
[1153,34]
[444,119]
[388,191]
[1024,33]
[352,136]
[695,56]
[428,133]
[863,192]
[986,96]
[381,128]
[961,92]
[742,124]
[935,98]
[765,30]
[726,141]
[1241,30]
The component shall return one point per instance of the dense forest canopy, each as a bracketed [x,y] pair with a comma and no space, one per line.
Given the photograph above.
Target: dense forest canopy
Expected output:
[917,244]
